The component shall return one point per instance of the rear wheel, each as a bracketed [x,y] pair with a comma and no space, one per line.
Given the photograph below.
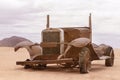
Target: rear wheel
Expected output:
[67,65]
[43,65]
[84,60]
[27,66]
[109,52]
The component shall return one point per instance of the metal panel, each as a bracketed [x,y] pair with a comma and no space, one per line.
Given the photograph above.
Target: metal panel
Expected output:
[51,37]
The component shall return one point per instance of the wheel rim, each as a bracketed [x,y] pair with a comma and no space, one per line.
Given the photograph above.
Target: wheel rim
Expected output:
[112,57]
[110,62]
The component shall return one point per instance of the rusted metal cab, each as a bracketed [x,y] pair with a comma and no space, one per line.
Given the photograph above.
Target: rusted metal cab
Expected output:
[60,36]
[70,47]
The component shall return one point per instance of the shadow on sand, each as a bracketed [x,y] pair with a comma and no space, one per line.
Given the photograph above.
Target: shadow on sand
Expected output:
[55,68]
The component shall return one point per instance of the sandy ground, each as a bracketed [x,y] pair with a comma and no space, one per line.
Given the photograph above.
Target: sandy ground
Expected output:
[10,71]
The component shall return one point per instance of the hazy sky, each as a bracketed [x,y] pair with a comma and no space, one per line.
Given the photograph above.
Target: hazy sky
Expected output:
[22,17]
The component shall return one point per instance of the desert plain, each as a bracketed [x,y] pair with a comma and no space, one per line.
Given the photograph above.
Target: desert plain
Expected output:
[10,71]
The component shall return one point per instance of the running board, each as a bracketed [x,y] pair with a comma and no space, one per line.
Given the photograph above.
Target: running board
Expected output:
[66,60]
[104,57]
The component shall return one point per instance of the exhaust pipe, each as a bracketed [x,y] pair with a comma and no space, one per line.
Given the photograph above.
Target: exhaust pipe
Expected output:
[90,26]
[48,24]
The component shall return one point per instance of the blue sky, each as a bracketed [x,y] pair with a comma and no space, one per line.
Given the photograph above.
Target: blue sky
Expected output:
[27,18]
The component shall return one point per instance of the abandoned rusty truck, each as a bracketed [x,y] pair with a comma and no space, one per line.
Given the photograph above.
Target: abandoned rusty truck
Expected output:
[69,47]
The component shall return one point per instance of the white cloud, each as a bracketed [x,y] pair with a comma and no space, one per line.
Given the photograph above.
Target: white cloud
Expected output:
[29,16]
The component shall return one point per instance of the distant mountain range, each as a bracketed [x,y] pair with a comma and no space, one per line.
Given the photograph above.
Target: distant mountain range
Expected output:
[11,41]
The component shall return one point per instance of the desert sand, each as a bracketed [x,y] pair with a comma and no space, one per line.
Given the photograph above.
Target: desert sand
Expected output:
[10,71]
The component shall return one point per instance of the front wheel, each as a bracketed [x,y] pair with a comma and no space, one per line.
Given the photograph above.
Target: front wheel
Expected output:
[109,52]
[84,60]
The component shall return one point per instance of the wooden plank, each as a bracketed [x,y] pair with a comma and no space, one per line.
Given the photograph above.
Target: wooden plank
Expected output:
[66,60]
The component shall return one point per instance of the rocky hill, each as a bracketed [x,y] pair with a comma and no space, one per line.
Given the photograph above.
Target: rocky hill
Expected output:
[11,41]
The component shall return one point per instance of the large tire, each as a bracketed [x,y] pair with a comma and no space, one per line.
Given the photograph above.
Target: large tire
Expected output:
[84,60]
[27,66]
[109,52]
[67,65]
[40,66]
